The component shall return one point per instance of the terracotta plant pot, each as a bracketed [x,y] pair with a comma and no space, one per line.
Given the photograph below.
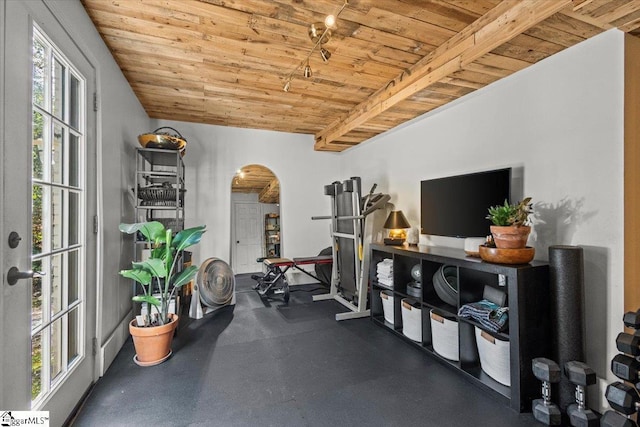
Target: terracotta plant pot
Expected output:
[510,237]
[153,345]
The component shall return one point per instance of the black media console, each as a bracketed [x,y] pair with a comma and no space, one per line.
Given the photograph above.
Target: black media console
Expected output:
[527,289]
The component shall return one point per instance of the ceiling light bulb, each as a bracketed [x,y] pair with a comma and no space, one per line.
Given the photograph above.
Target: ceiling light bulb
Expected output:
[325,54]
[319,33]
[307,71]
[330,21]
[287,86]
[313,31]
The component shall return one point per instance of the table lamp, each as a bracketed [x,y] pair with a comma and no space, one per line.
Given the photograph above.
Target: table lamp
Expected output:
[396,223]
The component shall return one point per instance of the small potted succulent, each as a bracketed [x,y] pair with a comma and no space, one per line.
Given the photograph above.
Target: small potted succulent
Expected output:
[160,276]
[511,224]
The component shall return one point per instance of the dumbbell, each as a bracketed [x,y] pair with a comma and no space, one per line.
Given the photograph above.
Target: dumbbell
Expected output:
[622,397]
[628,343]
[614,419]
[581,375]
[632,319]
[543,409]
[625,367]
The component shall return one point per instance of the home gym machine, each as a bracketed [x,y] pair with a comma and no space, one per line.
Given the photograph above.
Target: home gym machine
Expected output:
[354,220]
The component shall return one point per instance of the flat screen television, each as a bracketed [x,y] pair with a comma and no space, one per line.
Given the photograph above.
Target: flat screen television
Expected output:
[456,206]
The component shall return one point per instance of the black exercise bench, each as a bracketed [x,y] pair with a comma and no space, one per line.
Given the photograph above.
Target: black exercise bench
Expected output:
[274,282]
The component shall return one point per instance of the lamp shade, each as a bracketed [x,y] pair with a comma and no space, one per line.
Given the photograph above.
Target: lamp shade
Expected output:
[396,220]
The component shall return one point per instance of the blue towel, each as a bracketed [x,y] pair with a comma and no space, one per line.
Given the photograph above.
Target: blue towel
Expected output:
[490,315]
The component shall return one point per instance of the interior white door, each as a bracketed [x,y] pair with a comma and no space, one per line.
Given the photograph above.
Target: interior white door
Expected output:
[248,237]
[48,200]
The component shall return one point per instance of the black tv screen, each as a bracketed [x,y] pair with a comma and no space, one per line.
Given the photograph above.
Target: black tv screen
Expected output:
[456,206]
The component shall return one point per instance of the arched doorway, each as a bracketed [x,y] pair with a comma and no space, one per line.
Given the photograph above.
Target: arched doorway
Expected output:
[255,217]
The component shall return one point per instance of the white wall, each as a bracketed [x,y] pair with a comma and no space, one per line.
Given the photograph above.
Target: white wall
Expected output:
[215,153]
[561,123]
[120,119]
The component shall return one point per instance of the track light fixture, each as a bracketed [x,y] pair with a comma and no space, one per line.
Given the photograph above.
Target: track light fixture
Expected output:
[319,33]
[325,54]
[307,71]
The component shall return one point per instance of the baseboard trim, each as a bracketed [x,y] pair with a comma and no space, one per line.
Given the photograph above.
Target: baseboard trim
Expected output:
[76,410]
[114,343]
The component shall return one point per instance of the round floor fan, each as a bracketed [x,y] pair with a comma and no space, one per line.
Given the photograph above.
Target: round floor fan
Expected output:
[214,288]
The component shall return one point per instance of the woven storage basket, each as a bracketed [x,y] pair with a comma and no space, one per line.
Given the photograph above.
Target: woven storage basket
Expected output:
[387,306]
[160,195]
[444,335]
[494,356]
[411,319]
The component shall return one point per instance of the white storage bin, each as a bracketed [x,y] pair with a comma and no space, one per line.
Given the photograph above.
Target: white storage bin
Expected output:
[494,356]
[411,320]
[387,306]
[444,336]
[144,305]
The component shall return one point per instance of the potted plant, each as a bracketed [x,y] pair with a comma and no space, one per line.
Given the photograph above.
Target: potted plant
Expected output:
[160,278]
[510,229]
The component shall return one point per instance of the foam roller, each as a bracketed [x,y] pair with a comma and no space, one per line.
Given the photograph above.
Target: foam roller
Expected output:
[566,275]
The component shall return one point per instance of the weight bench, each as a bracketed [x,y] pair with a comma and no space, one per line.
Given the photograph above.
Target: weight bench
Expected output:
[274,281]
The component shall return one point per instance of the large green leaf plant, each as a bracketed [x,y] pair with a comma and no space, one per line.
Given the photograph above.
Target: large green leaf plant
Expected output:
[158,274]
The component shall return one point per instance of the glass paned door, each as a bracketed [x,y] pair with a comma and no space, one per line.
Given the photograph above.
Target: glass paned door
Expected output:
[58,218]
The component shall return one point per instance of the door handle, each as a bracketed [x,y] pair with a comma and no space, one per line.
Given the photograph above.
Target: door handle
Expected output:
[14,275]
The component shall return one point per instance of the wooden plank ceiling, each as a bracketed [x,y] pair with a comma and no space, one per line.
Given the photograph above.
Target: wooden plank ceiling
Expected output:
[225,62]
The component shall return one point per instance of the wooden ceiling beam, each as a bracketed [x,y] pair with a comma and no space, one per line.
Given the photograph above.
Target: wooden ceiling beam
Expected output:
[496,27]
[587,19]
[620,12]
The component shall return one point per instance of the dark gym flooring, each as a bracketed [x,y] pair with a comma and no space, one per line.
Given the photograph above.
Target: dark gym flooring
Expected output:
[264,363]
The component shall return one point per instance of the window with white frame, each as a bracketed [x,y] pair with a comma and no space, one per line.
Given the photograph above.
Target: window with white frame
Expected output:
[58,213]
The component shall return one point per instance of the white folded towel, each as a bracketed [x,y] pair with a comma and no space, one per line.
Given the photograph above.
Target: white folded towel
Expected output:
[386,282]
